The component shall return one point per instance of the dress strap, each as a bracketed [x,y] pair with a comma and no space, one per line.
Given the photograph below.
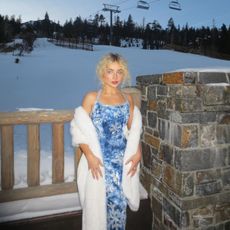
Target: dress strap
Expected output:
[125,97]
[98,95]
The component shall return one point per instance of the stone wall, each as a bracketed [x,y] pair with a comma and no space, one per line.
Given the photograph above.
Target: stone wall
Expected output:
[186,149]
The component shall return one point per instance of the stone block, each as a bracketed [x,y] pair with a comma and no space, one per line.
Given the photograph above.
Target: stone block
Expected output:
[152,119]
[146,156]
[151,140]
[198,159]
[185,136]
[175,198]
[217,108]
[143,107]
[144,91]
[172,178]
[156,208]
[149,79]
[190,77]
[222,211]
[186,105]
[166,153]
[146,180]
[168,223]
[156,170]
[175,214]
[162,90]
[180,91]
[157,194]
[171,104]
[223,118]
[216,227]
[208,188]
[208,176]
[226,178]
[208,135]
[175,91]
[227,95]
[212,77]
[223,134]
[198,117]
[152,105]
[164,130]
[203,217]
[149,130]
[173,78]
[162,111]
[189,91]
[152,92]
[223,197]
[187,184]
[197,202]
[215,94]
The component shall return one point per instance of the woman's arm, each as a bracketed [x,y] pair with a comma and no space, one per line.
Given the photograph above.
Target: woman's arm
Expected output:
[94,162]
[136,157]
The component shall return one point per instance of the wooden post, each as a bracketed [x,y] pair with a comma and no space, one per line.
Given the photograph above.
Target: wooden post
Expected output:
[33,161]
[7,158]
[58,153]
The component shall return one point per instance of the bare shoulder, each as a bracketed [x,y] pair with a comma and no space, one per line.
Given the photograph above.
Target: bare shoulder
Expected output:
[89,100]
[130,98]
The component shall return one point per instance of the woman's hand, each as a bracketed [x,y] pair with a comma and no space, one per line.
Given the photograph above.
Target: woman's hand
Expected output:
[94,164]
[134,159]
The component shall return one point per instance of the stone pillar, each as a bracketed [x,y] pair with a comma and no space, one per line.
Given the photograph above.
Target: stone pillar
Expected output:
[186,149]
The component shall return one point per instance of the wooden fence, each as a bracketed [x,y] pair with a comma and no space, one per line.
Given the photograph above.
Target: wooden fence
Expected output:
[72,43]
[33,120]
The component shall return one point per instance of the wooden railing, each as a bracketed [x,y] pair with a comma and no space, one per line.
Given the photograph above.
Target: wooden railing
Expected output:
[33,120]
[72,43]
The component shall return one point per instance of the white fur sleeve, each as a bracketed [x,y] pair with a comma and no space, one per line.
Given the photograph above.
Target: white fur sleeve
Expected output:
[77,136]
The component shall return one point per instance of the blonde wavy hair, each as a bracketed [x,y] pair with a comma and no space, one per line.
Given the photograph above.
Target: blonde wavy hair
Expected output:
[111,58]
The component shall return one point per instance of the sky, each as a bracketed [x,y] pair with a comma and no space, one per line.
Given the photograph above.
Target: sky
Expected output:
[196,13]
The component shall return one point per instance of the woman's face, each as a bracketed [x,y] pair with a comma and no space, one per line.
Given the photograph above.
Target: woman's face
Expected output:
[113,75]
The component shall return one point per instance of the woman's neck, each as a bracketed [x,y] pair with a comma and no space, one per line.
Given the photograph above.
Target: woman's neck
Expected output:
[110,91]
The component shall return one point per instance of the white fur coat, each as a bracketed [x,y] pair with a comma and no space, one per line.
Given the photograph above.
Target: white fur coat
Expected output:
[92,191]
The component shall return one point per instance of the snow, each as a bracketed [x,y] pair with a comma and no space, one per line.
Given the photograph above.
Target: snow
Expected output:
[30,208]
[53,77]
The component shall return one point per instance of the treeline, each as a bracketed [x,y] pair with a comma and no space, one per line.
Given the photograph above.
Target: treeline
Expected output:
[205,40]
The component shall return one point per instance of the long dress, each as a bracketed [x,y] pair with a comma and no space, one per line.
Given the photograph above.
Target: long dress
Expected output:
[110,121]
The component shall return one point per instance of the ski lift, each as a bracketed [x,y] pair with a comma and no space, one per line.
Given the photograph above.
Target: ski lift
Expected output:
[143,5]
[175,5]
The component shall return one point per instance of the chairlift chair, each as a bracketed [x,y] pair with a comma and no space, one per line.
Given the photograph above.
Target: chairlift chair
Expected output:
[175,5]
[143,5]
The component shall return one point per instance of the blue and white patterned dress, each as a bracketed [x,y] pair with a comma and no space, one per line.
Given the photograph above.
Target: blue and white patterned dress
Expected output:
[110,121]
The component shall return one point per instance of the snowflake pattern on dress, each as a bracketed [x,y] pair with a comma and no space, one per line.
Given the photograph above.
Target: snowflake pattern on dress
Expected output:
[110,121]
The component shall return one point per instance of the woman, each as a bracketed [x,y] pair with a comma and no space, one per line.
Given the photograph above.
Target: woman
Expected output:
[107,128]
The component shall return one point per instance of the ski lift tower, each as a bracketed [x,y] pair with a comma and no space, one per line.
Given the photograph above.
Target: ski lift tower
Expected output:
[112,9]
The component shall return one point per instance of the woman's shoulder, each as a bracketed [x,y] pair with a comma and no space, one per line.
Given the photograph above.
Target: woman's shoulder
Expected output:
[92,95]
[129,97]
[89,100]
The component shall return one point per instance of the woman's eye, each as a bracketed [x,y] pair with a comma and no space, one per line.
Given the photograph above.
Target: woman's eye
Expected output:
[109,71]
[120,72]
